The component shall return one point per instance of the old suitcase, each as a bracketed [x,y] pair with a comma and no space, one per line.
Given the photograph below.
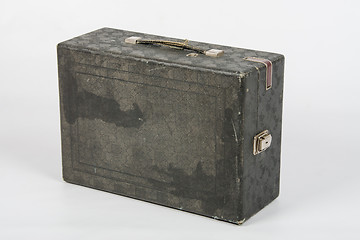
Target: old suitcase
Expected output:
[189,125]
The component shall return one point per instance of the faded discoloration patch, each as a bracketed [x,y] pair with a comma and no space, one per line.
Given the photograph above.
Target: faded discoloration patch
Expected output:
[93,107]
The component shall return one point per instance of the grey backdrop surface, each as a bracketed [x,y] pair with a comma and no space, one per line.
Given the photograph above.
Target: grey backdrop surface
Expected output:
[319,196]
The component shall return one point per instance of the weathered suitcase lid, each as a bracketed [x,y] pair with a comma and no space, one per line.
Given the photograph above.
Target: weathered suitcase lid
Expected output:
[112,41]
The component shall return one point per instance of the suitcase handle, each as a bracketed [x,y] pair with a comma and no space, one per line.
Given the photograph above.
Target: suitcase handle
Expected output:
[177,45]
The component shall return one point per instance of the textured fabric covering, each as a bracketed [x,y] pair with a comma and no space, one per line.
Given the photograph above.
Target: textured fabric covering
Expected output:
[151,123]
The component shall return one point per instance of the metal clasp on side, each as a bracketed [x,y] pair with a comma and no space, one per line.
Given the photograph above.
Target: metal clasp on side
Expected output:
[262,141]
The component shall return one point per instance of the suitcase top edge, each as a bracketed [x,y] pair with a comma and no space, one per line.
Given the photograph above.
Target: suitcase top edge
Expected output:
[112,41]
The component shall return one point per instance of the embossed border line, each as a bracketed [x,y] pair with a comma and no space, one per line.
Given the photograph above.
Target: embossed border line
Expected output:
[152,85]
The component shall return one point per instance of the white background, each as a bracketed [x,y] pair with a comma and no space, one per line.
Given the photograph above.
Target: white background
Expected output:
[320,194]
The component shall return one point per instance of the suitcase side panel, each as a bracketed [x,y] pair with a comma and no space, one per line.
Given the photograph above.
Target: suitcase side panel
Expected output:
[263,111]
[123,123]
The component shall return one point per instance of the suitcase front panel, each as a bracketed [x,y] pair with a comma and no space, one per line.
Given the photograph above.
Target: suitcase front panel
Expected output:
[148,134]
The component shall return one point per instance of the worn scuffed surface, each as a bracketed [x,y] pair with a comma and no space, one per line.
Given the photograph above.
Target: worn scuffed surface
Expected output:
[150,123]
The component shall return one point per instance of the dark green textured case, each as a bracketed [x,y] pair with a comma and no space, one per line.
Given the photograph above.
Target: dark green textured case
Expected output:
[154,124]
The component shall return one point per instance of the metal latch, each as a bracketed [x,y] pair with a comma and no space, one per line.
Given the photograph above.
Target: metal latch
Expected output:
[262,141]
